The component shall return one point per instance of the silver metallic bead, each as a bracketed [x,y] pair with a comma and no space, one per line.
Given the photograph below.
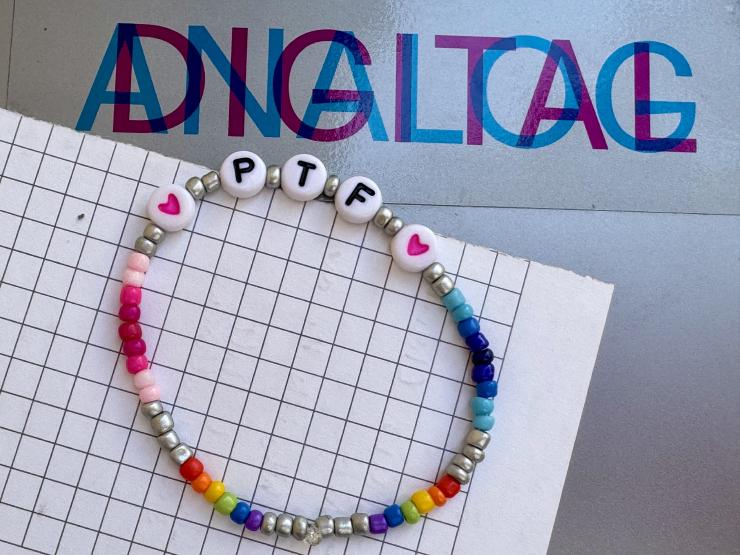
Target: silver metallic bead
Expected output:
[325,524]
[145,246]
[269,521]
[154,233]
[463,462]
[150,410]
[394,226]
[478,438]
[313,536]
[383,216]
[360,523]
[473,453]
[211,181]
[300,528]
[169,440]
[162,423]
[443,285]
[284,525]
[433,272]
[458,474]
[331,185]
[195,187]
[272,179]
[342,526]
[181,453]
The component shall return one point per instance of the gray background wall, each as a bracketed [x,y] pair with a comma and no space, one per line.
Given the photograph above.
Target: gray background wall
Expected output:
[656,467]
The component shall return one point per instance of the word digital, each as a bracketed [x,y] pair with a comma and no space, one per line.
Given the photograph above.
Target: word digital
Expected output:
[594,111]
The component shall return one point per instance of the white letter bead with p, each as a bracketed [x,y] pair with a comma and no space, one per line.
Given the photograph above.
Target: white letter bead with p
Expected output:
[243,174]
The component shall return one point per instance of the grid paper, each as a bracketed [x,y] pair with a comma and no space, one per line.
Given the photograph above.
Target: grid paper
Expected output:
[309,371]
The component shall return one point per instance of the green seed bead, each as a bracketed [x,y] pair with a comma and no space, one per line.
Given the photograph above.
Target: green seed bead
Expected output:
[226,503]
[410,512]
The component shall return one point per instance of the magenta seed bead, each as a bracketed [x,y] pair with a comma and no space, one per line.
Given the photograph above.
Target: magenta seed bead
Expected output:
[134,347]
[130,294]
[129,330]
[129,313]
[137,363]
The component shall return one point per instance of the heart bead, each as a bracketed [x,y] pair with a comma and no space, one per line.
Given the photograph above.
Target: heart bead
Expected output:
[414,248]
[171,207]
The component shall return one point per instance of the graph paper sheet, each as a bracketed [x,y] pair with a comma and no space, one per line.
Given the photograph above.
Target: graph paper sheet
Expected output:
[310,372]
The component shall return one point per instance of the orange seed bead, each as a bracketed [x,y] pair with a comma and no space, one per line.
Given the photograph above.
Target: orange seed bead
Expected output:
[437,496]
[201,482]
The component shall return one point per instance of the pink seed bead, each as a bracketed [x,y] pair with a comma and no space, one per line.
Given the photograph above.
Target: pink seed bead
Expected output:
[129,313]
[130,294]
[133,347]
[143,379]
[149,394]
[129,330]
[138,262]
[133,277]
[137,363]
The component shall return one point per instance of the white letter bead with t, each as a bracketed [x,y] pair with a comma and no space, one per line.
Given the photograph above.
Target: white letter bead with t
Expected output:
[303,177]
[414,248]
[358,199]
[243,174]
[171,207]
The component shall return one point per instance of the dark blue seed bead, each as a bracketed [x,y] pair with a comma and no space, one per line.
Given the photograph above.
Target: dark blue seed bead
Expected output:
[240,512]
[483,357]
[487,389]
[468,327]
[477,342]
[482,373]
[393,515]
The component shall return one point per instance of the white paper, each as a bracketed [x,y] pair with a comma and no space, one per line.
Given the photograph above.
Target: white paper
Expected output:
[311,373]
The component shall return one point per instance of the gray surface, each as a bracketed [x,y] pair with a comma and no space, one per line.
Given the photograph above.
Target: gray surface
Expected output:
[655,468]
[6,21]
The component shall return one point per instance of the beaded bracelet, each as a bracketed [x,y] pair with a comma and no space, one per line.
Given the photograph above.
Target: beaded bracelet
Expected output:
[413,247]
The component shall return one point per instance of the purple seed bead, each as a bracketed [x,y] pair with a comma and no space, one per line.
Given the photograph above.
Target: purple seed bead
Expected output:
[254,521]
[378,524]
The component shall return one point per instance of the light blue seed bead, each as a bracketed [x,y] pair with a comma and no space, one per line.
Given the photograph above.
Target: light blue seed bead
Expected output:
[453,299]
[462,312]
[483,422]
[481,406]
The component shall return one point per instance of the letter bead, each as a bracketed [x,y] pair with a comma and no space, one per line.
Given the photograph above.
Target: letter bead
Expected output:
[243,174]
[171,208]
[414,248]
[303,177]
[358,199]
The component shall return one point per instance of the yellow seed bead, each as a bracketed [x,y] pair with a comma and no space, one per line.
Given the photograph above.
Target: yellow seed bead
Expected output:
[214,491]
[423,501]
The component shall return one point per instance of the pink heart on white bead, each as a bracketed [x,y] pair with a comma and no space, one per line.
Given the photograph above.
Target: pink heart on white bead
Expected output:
[415,247]
[171,207]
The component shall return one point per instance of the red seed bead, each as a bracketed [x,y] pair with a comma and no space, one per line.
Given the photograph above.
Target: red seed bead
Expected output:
[134,347]
[137,363]
[449,486]
[129,313]
[191,469]
[130,294]
[129,330]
